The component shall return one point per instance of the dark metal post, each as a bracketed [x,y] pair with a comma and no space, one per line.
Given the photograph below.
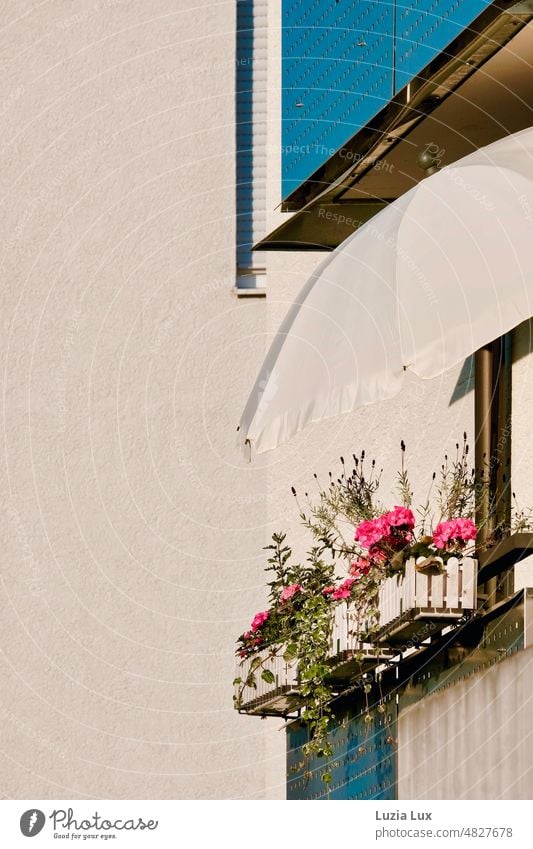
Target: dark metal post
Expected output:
[492,425]
[482,427]
[493,365]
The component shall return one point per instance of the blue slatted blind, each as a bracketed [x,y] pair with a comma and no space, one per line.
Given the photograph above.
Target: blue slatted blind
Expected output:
[251,80]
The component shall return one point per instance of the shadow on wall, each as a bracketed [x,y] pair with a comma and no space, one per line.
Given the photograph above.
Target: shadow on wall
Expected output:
[522,347]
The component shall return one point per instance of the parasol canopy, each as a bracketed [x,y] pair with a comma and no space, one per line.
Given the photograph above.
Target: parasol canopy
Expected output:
[442,271]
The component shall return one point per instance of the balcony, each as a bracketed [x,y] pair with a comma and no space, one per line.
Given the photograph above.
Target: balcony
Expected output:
[412,607]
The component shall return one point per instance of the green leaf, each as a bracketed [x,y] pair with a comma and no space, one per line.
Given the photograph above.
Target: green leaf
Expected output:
[237,681]
[290,652]
[268,676]
[327,778]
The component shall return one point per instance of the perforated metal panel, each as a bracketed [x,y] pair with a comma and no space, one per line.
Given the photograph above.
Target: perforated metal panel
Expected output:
[363,765]
[336,74]
[342,62]
[424,28]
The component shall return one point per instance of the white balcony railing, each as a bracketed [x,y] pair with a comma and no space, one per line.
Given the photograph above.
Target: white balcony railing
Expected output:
[280,696]
[405,603]
[348,656]
[415,596]
[349,653]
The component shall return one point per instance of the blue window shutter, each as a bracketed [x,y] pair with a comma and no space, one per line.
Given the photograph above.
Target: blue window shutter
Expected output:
[251,78]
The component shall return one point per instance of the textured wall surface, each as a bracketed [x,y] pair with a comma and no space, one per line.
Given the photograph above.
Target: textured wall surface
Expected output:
[131,526]
[472,741]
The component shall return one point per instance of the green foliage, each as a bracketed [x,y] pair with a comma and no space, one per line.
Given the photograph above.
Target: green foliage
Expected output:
[346,501]
[457,485]
[299,628]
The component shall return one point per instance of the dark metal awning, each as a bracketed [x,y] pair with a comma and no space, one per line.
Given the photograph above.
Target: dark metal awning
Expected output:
[477,91]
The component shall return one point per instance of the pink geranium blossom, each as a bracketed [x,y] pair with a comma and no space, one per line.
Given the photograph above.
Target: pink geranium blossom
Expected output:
[259,620]
[360,567]
[343,590]
[401,517]
[460,530]
[328,590]
[372,531]
[392,528]
[288,592]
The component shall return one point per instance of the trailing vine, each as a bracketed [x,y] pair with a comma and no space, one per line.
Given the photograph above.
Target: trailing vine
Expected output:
[298,626]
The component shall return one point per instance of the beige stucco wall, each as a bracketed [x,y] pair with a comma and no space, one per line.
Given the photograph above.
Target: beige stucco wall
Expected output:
[131,526]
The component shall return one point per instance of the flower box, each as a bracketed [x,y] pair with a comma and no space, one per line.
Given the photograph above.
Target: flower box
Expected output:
[415,597]
[350,655]
[278,697]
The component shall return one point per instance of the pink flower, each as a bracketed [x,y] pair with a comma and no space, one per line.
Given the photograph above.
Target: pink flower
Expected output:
[360,567]
[343,590]
[372,531]
[259,620]
[328,590]
[466,529]
[392,528]
[247,635]
[454,529]
[288,592]
[401,517]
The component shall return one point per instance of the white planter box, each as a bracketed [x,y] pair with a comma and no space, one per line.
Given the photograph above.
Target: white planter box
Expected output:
[414,597]
[280,697]
[348,657]
[349,654]
[406,602]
